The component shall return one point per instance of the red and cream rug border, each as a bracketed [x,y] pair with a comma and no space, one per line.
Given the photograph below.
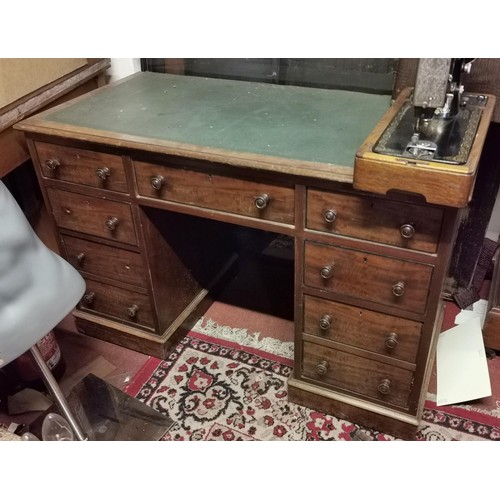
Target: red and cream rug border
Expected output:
[459,422]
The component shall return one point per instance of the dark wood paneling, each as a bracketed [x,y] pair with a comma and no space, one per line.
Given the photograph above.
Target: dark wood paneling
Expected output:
[356,374]
[104,260]
[386,335]
[82,166]
[216,192]
[476,217]
[368,276]
[90,214]
[118,303]
[375,219]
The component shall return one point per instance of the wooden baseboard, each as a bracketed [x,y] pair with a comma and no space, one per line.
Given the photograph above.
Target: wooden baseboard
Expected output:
[140,340]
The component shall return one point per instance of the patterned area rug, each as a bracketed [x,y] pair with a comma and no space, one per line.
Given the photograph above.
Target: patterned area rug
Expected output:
[224,384]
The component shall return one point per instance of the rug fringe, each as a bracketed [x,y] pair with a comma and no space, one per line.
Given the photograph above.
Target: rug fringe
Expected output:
[241,336]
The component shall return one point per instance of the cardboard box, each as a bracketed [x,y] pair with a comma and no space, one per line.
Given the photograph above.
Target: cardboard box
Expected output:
[21,77]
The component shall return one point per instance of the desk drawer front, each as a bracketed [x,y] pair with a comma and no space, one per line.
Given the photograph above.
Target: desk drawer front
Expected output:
[216,192]
[103,260]
[87,214]
[357,374]
[380,333]
[81,166]
[399,224]
[120,304]
[393,282]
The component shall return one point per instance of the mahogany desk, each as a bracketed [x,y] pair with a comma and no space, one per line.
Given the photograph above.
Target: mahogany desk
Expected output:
[146,180]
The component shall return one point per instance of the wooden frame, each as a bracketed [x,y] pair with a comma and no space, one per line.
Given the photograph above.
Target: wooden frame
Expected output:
[439,183]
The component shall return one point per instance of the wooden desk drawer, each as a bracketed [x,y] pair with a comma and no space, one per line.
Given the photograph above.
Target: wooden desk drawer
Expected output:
[380,333]
[216,192]
[118,303]
[400,224]
[393,282]
[357,374]
[104,260]
[88,214]
[82,166]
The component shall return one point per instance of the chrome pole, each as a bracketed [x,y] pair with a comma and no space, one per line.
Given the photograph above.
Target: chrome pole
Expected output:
[55,391]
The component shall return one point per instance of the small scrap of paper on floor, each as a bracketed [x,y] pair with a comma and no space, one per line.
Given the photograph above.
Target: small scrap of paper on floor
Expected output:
[461,364]
[478,309]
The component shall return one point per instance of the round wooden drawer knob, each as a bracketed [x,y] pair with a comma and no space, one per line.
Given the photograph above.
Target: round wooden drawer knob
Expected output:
[398,289]
[407,231]
[326,272]
[103,173]
[385,386]
[325,322]
[88,298]
[322,368]
[391,341]
[80,258]
[262,201]
[157,182]
[132,311]
[329,216]
[52,164]
[112,223]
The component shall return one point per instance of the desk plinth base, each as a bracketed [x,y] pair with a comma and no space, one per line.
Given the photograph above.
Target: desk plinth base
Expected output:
[139,340]
[399,425]
[150,343]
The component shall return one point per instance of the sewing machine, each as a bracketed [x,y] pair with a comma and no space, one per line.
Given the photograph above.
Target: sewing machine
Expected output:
[432,136]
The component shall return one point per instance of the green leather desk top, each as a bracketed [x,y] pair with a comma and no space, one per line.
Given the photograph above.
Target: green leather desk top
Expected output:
[260,120]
